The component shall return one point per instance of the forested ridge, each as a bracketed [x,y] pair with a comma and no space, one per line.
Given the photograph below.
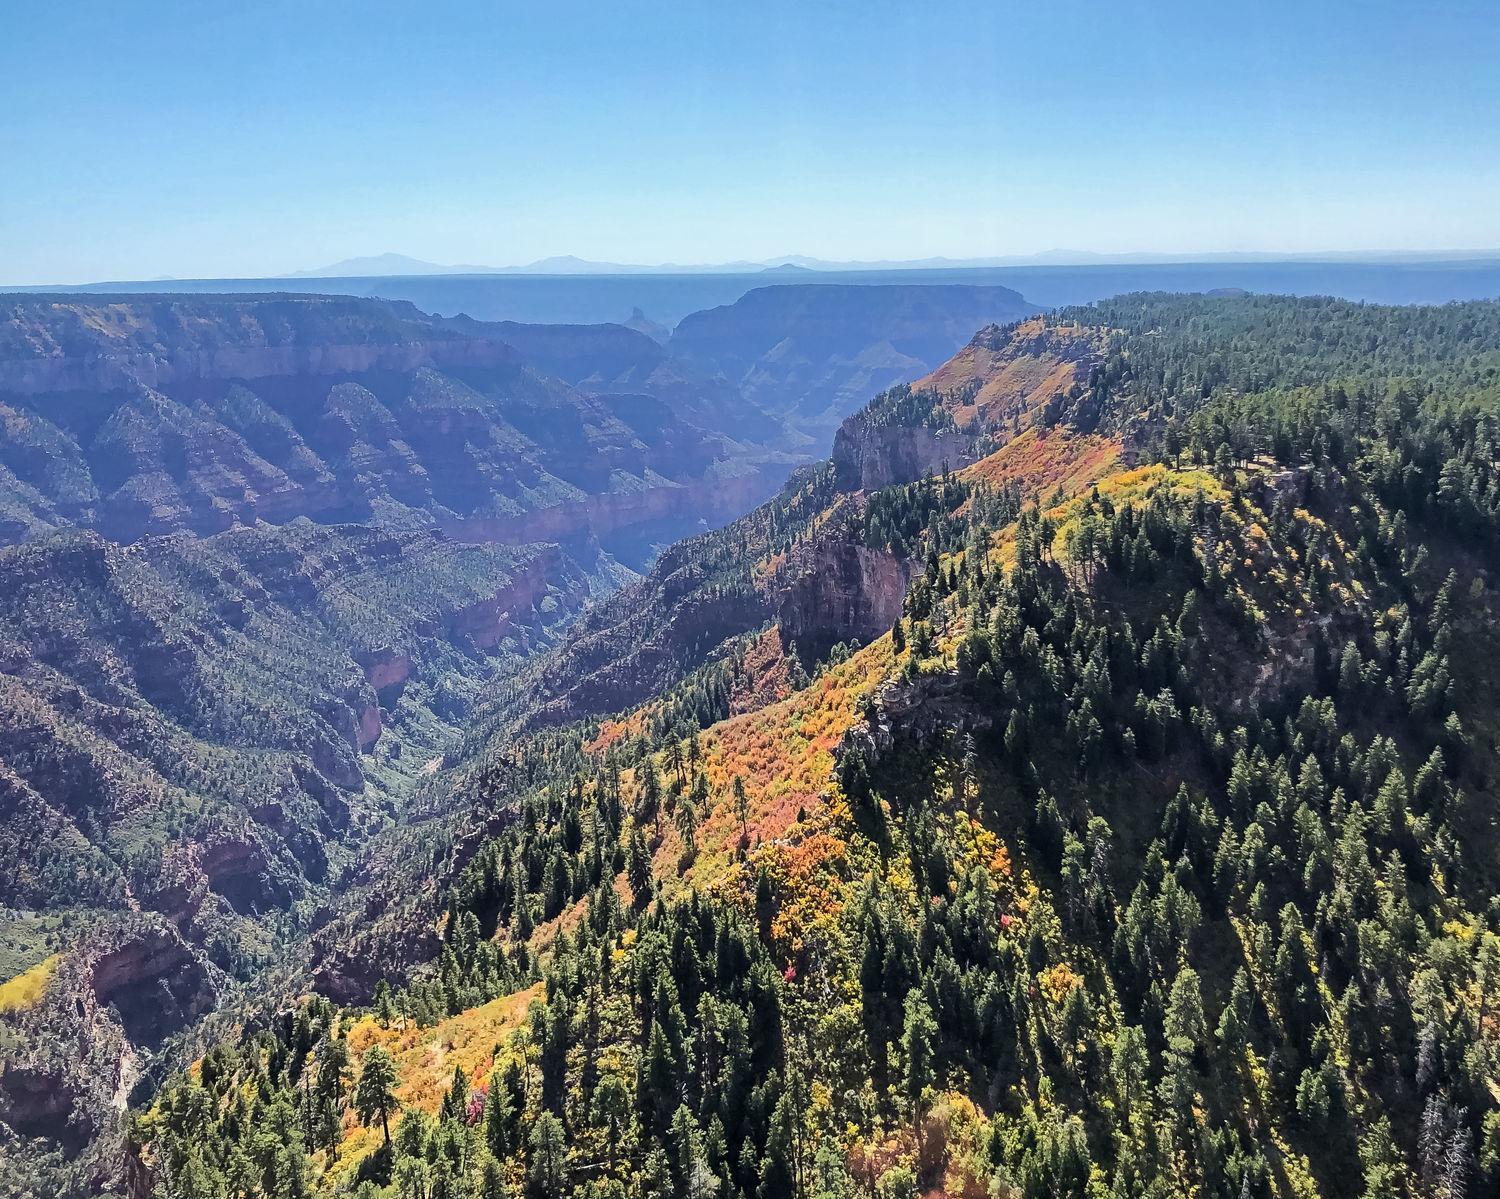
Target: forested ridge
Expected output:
[1151,852]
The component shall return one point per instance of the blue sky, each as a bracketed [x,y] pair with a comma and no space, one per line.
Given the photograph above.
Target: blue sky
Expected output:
[203,139]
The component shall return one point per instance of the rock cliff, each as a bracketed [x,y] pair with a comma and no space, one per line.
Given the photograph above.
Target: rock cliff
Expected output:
[110,1004]
[870,456]
[837,589]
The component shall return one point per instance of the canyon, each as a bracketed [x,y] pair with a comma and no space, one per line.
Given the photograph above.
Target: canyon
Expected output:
[269,562]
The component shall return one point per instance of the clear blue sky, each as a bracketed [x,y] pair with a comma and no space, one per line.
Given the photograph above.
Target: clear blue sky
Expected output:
[248,138]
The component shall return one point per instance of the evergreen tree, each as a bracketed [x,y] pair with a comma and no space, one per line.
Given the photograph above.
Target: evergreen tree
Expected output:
[375,1093]
[549,1166]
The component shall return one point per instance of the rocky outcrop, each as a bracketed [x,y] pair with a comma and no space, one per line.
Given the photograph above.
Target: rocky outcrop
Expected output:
[1008,371]
[155,982]
[239,869]
[382,938]
[369,727]
[829,588]
[39,1101]
[869,456]
[234,865]
[837,589]
[610,669]
[385,667]
[986,394]
[486,622]
[69,1064]
[599,516]
[918,710]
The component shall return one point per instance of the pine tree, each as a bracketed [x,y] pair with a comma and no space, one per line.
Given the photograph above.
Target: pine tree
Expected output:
[375,1093]
[638,866]
[918,1037]
[778,1174]
[741,808]
[456,1101]
[385,1010]
[687,828]
[611,1113]
[648,803]
[549,1158]
[492,1184]
[1186,1031]
[500,1113]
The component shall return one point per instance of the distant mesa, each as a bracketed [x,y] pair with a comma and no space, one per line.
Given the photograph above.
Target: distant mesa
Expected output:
[392,265]
[812,353]
[140,417]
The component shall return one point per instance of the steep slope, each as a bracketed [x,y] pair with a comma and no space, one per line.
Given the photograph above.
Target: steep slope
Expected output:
[196,737]
[815,558]
[1150,850]
[813,353]
[252,667]
[270,552]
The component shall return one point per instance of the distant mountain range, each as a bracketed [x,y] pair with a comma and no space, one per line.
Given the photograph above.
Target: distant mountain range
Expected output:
[387,265]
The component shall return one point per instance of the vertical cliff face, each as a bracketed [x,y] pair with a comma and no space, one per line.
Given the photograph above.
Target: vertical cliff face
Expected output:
[1008,371]
[153,981]
[983,397]
[870,456]
[841,591]
[834,587]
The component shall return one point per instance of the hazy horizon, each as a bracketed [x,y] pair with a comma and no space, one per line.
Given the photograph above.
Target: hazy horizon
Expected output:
[195,142]
[398,265]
